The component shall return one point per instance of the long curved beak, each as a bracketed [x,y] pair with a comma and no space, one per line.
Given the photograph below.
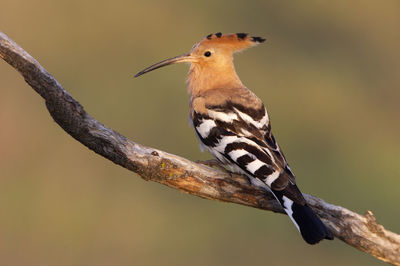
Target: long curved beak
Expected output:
[166,62]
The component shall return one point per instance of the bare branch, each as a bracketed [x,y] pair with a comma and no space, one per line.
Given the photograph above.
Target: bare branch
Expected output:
[359,231]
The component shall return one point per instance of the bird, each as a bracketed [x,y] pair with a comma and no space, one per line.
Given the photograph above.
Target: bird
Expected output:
[232,123]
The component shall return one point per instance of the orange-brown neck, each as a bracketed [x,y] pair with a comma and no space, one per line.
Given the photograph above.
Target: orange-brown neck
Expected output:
[204,77]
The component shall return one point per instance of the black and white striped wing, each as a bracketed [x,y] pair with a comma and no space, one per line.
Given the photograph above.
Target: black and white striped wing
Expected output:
[241,137]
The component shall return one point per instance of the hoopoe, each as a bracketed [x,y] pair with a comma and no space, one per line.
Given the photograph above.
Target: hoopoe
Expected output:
[232,123]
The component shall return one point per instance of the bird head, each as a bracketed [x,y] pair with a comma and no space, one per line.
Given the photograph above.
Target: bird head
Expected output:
[213,51]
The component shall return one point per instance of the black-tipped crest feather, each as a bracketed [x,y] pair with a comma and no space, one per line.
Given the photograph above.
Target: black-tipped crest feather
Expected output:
[241,36]
[257,39]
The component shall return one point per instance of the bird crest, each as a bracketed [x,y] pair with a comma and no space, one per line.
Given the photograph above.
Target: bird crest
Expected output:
[234,41]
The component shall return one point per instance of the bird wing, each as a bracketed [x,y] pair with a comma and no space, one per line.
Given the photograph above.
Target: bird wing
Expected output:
[241,136]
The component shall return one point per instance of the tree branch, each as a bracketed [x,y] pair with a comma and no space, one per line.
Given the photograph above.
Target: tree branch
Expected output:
[359,231]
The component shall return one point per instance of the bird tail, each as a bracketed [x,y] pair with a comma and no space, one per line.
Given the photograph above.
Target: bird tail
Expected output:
[307,222]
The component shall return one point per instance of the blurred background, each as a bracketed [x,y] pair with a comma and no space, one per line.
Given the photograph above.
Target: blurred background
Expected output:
[328,74]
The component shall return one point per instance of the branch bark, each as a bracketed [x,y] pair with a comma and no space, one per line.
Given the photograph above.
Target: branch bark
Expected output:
[360,231]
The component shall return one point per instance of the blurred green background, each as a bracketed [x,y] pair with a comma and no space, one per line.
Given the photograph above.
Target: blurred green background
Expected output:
[329,76]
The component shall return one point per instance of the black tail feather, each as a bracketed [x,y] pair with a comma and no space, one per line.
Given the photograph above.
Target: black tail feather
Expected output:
[311,227]
[307,222]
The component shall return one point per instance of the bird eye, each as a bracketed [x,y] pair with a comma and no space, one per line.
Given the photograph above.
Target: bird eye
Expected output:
[207,54]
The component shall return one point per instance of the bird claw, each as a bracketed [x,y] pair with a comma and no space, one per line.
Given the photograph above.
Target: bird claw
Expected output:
[212,163]
[218,164]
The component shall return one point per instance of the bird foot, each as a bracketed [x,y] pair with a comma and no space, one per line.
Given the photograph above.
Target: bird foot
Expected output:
[212,163]
[219,165]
